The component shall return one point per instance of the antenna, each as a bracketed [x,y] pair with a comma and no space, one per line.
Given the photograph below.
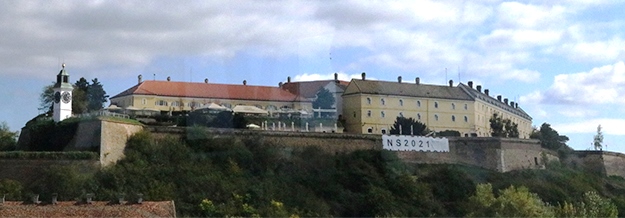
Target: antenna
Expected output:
[154,77]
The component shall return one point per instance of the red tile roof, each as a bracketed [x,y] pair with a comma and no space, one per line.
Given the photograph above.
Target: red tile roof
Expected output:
[308,89]
[210,90]
[95,209]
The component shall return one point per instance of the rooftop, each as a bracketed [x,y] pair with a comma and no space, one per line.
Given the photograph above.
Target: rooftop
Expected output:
[309,89]
[407,89]
[210,90]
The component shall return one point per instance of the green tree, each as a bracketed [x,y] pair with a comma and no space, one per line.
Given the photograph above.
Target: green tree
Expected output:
[405,124]
[550,138]
[324,100]
[598,139]
[511,202]
[503,127]
[85,97]
[8,139]
[96,96]
[591,205]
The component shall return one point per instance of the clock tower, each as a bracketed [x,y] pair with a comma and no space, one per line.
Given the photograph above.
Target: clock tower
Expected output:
[62,96]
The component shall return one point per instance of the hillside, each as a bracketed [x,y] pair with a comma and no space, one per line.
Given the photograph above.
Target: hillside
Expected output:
[212,175]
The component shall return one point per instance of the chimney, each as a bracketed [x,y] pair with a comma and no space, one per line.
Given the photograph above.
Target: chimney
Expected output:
[245,82]
[399,79]
[139,198]
[336,77]
[470,84]
[505,101]
[140,78]
[417,80]
[479,88]
[280,84]
[516,105]
[206,80]
[288,79]
[54,198]
[499,98]
[89,198]
[35,199]
[511,103]
[486,92]
[451,83]
[168,78]
[364,75]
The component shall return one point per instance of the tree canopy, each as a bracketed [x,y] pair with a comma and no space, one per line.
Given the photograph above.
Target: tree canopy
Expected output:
[503,127]
[86,97]
[549,138]
[598,139]
[325,99]
[8,139]
[406,124]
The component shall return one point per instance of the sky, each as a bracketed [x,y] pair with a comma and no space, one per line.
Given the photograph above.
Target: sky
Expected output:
[563,61]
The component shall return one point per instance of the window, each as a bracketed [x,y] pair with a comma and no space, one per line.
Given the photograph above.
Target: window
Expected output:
[354,113]
[271,108]
[368,100]
[418,103]
[466,119]
[369,113]
[435,104]
[436,117]
[401,114]
[382,101]
[369,130]
[453,106]
[453,118]
[419,116]
[382,114]
[144,101]
[175,103]
[161,103]
[401,102]
[383,131]
[466,107]
[195,104]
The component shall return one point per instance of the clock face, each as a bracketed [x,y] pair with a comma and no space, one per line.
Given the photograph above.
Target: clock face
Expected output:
[67,97]
[57,97]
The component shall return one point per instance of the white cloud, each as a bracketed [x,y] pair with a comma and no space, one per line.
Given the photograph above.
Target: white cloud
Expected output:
[341,76]
[601,85]
[609,126]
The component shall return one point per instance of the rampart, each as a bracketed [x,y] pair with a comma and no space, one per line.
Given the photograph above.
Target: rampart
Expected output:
[27,171]
[605,162]
[498,154]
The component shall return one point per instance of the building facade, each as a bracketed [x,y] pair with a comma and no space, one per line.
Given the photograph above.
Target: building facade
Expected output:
[371,107]
[309,89]
[169,97]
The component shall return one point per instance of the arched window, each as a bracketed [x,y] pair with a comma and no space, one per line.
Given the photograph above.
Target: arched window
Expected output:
[383,131]
[354,113]
[175,103]
[369,113]
[382,114]
[401,102]
[453,106]
[368,100]
[436,117]
[453,118]
[401,114]
[418,103]
[161,103]
[466,119]
[369,130]
[435,104]
[418,116]
[466,107]
[382,101]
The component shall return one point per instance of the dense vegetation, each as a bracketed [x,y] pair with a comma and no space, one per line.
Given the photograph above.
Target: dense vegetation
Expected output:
[211,175]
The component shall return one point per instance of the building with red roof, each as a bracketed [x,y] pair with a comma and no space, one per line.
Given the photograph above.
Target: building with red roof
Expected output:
[180,97]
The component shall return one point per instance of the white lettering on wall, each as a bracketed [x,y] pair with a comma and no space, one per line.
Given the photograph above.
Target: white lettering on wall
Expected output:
[414,143]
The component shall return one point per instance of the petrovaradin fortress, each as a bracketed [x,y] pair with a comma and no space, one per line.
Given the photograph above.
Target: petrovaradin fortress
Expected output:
[498,154]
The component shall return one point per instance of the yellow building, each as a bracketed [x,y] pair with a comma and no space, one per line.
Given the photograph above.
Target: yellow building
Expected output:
[169,97]
[373,106]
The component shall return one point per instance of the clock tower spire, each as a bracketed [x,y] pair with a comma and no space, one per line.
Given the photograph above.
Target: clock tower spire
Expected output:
[62,96]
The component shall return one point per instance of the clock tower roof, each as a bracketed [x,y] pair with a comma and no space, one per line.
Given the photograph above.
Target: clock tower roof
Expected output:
[62,79]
